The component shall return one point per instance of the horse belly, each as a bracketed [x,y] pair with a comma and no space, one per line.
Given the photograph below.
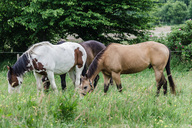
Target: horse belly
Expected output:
[63,66]
[134,67]
[133,70]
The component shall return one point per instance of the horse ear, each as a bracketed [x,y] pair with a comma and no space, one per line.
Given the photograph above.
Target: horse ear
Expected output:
[9,68]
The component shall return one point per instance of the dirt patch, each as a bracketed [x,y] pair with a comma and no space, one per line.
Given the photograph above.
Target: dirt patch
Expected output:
[158,31]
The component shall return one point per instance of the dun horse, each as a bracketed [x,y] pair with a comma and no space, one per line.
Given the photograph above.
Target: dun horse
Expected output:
[119,59]
[92,48]
[47,59]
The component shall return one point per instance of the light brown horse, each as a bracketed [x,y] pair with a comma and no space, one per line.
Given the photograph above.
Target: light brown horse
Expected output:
[119,59]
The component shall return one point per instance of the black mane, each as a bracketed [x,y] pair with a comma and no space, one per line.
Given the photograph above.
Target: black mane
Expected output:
[93,66]
[21,65]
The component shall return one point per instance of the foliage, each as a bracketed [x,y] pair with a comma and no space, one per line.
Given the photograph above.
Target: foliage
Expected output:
[180,39]
[174,13]
[190,10]
[24,23]
[64,108]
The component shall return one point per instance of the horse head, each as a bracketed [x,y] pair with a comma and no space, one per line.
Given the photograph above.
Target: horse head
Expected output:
[86,86]
[13,79]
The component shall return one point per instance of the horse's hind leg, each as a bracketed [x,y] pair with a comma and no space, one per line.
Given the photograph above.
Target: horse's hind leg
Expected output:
[160,80]
[164,85]
[63,81]
[116,77]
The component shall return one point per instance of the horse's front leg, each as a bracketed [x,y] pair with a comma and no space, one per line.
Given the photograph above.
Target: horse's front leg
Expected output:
[38,81]
[116,77]
[78,72]
[96,80]
[50,75]
[106,83]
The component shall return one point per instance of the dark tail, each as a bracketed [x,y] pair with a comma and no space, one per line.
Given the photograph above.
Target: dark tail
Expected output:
[171,82]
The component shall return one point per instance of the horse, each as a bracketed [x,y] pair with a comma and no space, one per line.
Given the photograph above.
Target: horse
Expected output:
[117,59]
[46,59]
[92,48]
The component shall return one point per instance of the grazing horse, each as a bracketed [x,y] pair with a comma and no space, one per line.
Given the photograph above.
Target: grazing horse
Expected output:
[92,48]
[47,59]
[119,59]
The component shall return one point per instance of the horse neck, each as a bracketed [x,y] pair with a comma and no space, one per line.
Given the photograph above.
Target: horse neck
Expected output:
[93,70]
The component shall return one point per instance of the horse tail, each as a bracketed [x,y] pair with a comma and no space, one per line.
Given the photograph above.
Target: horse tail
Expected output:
[168,70]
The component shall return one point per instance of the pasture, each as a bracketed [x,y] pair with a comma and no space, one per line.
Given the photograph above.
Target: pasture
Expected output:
[136,106]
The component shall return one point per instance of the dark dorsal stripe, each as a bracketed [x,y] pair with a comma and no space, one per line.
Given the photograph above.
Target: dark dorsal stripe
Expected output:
[21,65]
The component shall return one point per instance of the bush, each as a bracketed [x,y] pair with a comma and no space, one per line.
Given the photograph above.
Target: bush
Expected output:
[180,39]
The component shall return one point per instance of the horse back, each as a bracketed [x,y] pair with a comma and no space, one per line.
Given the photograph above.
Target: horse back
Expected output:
[61,58]
[134,58]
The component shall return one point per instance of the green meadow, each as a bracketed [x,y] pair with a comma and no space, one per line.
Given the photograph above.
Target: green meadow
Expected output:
[137,105]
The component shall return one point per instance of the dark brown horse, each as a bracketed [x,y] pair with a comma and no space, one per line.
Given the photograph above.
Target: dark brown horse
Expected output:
[92,48]
[119,59]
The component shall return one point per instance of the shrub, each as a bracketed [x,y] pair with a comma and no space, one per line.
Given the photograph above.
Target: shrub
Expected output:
[180,39]
[64,108]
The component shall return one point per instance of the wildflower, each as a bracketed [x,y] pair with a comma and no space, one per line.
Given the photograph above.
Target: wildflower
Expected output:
[189,19]
[182,46]
[179,29]
[179,43]
[151,35]
[176,47]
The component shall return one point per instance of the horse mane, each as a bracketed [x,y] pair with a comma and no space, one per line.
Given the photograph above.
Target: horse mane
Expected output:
[93,66]
[21,65]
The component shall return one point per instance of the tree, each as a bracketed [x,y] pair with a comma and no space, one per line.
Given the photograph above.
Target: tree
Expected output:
[26,22]
[174,13]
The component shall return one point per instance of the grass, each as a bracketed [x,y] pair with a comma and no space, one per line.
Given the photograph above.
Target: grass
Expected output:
[136,106]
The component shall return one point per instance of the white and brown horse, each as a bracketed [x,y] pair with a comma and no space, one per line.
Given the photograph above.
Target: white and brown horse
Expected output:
[47,59]
[119,59]
[92,48]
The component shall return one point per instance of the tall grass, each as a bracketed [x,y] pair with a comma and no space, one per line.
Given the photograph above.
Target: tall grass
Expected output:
[136,106]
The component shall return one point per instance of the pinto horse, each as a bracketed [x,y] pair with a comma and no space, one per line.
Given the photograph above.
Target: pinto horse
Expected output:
[47,59]
[119,59]
[92,48]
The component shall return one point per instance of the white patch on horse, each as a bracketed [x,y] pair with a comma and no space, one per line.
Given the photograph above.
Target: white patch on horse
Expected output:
[20,79]
[13,89]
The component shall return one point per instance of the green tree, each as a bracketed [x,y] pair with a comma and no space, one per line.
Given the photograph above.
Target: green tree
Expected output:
[174,13]
[23,23]
[190,10]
